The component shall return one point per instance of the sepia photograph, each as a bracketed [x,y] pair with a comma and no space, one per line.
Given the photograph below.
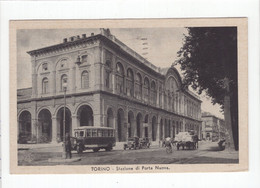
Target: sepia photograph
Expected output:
[140,98]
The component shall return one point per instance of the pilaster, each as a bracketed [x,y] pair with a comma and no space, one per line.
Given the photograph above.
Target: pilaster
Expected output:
[54,130]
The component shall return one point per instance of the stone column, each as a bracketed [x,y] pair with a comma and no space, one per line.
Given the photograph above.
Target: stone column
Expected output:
[53,84]
[74,81]
[150,129]
[163,129]
[158,132]
[34,77]
[54,130]
[75,123]
[124,89]
[34,127]
[157,94]
[113,81]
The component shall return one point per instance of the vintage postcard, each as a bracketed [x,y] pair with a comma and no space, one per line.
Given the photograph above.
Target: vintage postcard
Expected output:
[128,96]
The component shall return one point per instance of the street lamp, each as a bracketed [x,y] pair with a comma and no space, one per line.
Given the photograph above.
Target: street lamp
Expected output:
[64,85]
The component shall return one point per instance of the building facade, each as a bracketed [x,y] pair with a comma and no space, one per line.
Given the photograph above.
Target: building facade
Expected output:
[107,84]
[213,128]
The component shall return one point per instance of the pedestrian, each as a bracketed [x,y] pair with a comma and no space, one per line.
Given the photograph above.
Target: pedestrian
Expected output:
[68,146]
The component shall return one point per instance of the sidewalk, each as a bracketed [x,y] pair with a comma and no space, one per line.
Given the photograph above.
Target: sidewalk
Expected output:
[38,146]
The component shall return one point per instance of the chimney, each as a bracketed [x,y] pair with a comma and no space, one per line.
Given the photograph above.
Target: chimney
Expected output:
[71,39]
[78,37]
[92,34]
[83,36]
[65,40]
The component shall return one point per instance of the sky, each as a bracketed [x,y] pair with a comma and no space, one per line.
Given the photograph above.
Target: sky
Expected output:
[157,45]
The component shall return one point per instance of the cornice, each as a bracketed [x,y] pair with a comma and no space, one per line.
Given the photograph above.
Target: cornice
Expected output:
[66,46]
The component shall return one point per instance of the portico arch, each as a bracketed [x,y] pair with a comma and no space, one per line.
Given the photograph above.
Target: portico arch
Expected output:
[161,129]
[60,122]
[85,115]
[120,125]
[44,126]
[139,124]
[130,124]
[146,126]
[25,127]
[110,118]
[154,128]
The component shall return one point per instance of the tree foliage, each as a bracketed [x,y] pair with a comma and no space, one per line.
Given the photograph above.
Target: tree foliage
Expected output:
[208,59]
[208,55]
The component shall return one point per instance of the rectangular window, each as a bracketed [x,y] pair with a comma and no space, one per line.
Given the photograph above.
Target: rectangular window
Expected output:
[94,133]
[81,133]
[99,133]
[105,133]
[88,132]
[84,58]
[85,80]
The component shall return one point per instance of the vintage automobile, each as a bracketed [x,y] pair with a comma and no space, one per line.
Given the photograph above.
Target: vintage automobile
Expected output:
[94,138]
[145,142]
[132,143]
[186,140]
[222,144]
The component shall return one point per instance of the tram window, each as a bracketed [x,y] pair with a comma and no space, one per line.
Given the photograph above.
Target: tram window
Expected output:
[110,133]
[94,132]
[88,132]
[81,133]
[99,132]
[102,132]
[105,133]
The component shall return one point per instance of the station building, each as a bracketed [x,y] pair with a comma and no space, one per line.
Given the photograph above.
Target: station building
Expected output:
[108,85]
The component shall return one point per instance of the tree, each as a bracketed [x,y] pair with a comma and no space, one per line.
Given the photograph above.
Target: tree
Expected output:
[208,59]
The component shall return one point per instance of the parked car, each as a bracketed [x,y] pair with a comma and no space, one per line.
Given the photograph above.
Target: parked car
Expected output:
[145,142]
[222,144]
[132,143]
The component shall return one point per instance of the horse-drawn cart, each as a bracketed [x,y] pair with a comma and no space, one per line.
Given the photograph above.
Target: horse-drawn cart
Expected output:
[186,140]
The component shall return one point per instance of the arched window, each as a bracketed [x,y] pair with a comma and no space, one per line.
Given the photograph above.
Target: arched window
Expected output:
[108,74]
[119,78]
[130,83]
[146,89]
[138,88]
[110,118]
[64,82]
[153,93]
[45,85]
[85,80]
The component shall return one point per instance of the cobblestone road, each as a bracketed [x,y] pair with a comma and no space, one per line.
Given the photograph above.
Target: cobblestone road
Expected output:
[206,153]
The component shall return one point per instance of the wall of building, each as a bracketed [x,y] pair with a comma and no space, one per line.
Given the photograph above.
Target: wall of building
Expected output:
[213,128]
[109,87]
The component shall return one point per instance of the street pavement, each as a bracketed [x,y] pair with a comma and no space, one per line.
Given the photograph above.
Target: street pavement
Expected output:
[207,153]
